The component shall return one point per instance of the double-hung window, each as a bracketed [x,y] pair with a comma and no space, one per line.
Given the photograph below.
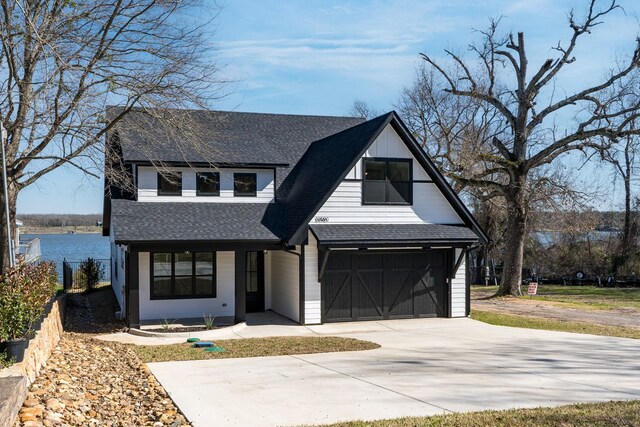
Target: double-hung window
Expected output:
[387,182]
[176,275]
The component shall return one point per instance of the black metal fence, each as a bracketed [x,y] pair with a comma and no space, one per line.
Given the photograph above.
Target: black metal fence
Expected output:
[79,276]
[478,276]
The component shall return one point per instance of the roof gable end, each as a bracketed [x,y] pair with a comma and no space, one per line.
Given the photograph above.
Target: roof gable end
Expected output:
[315,179]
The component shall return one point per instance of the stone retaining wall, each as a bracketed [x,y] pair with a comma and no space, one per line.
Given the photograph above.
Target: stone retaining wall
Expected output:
[17,378]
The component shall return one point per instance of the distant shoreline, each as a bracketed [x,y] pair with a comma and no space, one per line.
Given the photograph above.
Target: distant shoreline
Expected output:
[61,230]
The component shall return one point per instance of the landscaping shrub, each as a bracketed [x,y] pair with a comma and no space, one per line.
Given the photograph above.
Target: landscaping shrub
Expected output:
[24,293]
[89,274]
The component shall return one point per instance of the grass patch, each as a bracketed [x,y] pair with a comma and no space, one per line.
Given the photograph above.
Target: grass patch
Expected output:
[252,347]
[529,322]
[625,413]
[585,297]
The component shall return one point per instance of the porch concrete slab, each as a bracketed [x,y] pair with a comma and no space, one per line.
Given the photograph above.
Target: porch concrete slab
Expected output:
[424,367]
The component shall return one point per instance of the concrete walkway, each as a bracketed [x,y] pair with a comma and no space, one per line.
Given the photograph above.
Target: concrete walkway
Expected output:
[267,324]
[425,367]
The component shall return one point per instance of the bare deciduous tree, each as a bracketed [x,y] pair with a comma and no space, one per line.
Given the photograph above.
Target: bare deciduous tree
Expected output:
[518,158]
[360,108]
[63,62]
[621,155]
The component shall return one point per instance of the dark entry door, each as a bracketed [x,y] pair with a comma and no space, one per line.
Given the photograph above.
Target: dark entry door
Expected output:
[255,281]
[392,285]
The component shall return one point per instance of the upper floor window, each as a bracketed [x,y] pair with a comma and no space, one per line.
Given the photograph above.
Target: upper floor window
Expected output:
[169,183]
[244,184]
[208,184]
[177,275]
[387,182]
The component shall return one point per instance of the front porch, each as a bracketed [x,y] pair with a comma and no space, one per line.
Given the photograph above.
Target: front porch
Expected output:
[181,285]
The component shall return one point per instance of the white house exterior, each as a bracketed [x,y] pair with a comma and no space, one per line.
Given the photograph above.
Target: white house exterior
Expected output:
[320,219]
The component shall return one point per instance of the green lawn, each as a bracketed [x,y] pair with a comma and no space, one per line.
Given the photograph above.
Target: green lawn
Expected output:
[553,325]
[585,297]
[252,347]
[583,415]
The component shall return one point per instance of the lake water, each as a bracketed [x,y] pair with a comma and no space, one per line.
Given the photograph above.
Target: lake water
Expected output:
[72,247]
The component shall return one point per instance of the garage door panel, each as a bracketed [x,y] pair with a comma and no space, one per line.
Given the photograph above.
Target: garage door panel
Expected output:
[425,299]
[337,288]
[389,285]
[367,261]
[367,294]
[398,292]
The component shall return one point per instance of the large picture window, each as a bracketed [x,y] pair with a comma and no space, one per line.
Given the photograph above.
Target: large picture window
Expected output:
[244,184]
[169,183]
[208,184]
[176,275]
[387,182]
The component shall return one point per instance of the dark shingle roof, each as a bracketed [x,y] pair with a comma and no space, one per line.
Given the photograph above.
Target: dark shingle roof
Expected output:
[323,167]
[223,137]
[316,153]
[397,233]
[179,221]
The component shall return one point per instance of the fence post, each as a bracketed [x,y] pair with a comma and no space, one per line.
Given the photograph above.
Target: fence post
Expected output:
[66,275]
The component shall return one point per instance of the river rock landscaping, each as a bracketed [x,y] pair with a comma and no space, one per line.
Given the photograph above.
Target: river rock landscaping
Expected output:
[88,382]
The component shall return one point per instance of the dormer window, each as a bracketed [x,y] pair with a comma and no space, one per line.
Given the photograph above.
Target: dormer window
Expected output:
[244,184]
[208,184]
[387,182]
[169,183]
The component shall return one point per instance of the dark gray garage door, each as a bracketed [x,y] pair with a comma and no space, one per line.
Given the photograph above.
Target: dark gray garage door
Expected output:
[390,285]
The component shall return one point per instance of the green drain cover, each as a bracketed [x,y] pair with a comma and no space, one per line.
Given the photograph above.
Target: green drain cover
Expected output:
[214,349]
[193,339]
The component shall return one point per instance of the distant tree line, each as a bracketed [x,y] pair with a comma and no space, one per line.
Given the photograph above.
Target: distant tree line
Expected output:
[59,220]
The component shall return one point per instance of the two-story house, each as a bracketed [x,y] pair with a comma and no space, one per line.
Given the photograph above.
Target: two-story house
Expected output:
[320,219]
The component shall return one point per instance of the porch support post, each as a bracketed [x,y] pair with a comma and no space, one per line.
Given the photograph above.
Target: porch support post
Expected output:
[241,293]
[301,280]
[467,285]
[133,295]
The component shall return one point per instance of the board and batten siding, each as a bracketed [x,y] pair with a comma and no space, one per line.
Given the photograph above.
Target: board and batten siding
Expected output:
[285,284]
[459,289]
[118,254]
[312,294]
[344,206]
[148,186]
[222,305]
[117,273]
[389,145]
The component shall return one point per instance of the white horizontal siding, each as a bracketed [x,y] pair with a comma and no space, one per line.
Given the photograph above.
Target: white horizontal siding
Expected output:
[459,290]
[222,305]
[312,296]
[148,186]
[285,284]
[345,206]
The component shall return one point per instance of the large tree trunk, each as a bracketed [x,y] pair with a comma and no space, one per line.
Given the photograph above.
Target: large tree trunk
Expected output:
[4,245]
[515,232]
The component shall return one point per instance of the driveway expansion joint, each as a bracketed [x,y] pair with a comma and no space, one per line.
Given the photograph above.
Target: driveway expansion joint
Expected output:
[445,410]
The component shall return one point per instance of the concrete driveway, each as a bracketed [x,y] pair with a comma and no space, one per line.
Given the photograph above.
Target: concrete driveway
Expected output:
[424,367]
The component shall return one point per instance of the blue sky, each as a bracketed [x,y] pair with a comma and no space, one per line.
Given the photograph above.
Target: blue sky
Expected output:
[316,57]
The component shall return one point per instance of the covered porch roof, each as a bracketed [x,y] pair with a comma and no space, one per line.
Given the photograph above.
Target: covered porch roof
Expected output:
[391,235]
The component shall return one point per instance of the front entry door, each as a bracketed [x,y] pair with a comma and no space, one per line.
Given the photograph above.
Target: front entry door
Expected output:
[255,281]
